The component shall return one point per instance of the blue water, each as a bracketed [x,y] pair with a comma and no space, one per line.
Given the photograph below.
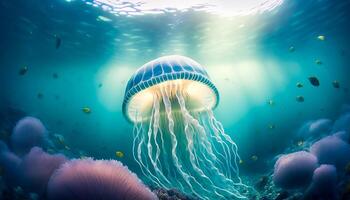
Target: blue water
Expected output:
[248,57]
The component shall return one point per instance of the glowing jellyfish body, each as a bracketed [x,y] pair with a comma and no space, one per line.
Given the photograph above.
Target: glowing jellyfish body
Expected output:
[177,140]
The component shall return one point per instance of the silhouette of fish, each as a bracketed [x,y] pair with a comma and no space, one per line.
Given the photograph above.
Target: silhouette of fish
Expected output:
[314,81]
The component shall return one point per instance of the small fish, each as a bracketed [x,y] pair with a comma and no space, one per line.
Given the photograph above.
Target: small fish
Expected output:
[55,75]
[271,126]
[321,37]
[58,42]
[314,81]
[254,158]
[336,84]
[86,110]
[67,147]
[119,154]
[61,140]
[299,85]
[100,85]
[300,143]
[23,70]
[299,99]
[241,162]
[40,95]
[318,62]
[291,49]
[271,102]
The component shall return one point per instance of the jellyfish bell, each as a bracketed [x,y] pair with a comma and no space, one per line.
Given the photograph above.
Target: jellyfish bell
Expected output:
[171,74]
[178,143]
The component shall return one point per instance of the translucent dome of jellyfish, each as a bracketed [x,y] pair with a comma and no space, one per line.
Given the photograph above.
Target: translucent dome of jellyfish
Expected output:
[178,143]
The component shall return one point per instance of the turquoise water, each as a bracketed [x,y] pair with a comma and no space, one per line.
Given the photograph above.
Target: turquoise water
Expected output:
[255,60]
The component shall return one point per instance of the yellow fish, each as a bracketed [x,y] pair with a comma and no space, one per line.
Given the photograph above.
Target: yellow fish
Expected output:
[86,110]
[254,158]
[119,154]
[321,37]
[299,85]
[300,143]
[271,102]
[271,126]
[291,49]
[318,62]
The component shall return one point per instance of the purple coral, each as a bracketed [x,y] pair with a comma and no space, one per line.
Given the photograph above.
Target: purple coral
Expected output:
[28,132]
[294,170]
[331,150]
[324,182]
[316,128]
[101,179]
[343,123]
[342,135]
[10,162]
[36,169]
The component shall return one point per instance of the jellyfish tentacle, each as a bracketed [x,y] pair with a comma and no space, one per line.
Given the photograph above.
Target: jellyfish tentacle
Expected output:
[225,147]
[153,131]
[189,136]
[224,156]
[217,126]
[143,164]
[178,166]
[136,150]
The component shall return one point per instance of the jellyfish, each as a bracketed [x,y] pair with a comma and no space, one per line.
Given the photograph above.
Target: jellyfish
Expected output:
[178,143]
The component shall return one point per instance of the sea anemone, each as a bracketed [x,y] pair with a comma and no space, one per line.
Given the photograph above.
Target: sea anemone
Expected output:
[324,182]
[36,169]
[294,170]
[331,150]
[28,132]
[101,179]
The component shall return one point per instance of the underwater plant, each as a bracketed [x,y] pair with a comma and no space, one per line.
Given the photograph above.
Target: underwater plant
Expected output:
[28,132]
[36,169]
[294,170]
[82,179]
[177,140]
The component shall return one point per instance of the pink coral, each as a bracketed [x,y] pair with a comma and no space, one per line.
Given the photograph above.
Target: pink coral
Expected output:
[294,170]
[101,179]
[28,132]
[36,169]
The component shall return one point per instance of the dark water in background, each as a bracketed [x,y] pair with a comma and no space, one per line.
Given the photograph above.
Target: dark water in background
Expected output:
[247,57]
